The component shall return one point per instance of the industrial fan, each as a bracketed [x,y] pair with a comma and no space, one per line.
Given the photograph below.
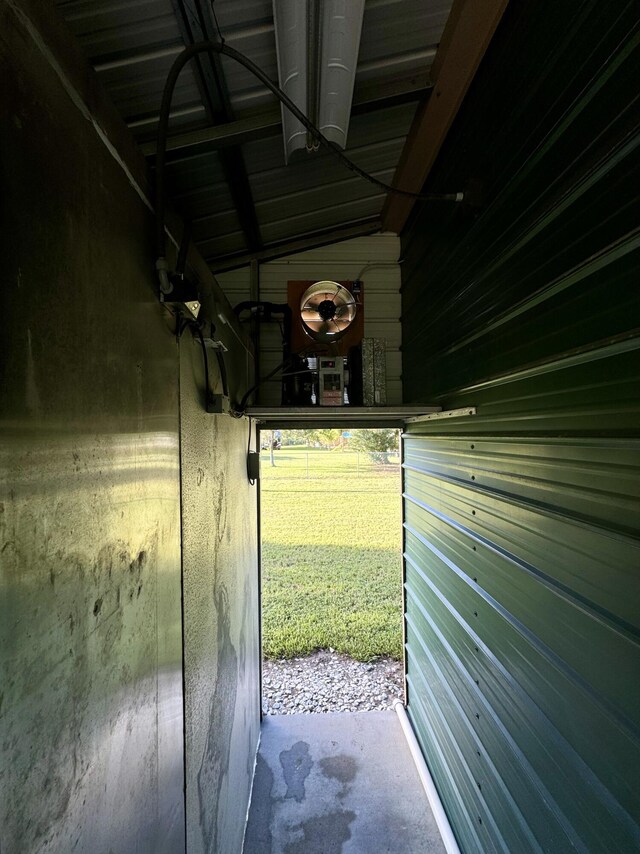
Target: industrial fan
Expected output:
[325,347]
[327,310]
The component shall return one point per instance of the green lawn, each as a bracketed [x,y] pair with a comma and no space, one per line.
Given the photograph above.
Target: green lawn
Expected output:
[331,571]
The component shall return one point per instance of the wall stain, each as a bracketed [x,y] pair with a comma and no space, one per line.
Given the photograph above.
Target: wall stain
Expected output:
[214,765]
[242,672]
[259,825]
[220,506]
[296,767]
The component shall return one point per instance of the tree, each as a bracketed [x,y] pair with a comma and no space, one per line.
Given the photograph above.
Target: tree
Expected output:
[328,438]
[377,443]
[325,437]
[302,437]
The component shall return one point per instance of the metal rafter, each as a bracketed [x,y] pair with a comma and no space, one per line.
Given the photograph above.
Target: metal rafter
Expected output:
[196,23]
[280,248]
[367,98]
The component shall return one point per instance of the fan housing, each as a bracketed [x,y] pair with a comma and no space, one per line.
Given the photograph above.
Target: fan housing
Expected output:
[327,311]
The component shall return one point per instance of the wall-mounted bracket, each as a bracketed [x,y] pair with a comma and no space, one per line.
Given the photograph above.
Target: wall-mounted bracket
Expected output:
[180,292]
[218,404]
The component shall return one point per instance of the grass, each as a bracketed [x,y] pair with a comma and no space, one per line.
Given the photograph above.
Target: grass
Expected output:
[331,573]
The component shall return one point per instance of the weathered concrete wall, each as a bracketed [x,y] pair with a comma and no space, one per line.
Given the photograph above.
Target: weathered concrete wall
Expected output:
[221,654]
[91,738]
[92,752]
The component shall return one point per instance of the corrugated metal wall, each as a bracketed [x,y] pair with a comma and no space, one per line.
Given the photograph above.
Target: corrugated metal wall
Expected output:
[522,540]
[374,259]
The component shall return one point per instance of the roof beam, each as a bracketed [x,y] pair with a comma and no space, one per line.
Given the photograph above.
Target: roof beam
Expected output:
[258,126]
[197,24]
[467,35]
[279,249]
[367,97]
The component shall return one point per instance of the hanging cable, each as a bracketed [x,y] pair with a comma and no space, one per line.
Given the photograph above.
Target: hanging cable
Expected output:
[221,48]
[215,18]
[243,403]
[281,367]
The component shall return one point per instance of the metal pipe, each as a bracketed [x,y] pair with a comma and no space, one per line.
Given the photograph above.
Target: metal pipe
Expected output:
[254,329]
[448,839]
[314,35]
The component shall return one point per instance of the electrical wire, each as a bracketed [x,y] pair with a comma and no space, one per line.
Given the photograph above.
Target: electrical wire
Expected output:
[375,264]
[221,48]
[215,18]
[243,403]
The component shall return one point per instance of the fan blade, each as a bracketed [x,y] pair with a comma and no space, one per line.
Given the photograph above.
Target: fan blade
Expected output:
[314,299]
[317,325]
[309,314]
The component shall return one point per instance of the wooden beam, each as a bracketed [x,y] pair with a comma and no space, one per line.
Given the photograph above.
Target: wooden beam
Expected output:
[467,35]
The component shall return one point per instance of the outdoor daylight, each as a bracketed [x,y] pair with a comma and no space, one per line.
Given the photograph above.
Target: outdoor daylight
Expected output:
[331,570]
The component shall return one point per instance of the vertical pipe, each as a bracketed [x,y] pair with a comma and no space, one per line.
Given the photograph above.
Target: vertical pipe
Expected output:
[183,616]
[254,296]
[259,577]
[440,816]
[314,34]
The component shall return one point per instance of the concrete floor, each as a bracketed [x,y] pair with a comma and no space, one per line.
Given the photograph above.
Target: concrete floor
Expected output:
[341,783]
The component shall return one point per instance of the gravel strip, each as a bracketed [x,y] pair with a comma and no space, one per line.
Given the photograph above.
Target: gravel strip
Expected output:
[329,682]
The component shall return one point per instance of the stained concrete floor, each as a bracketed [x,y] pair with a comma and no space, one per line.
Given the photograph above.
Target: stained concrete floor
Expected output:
[342,783]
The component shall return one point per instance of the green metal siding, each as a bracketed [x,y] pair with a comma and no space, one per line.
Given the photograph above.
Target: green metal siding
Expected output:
[522,523]
[522,635]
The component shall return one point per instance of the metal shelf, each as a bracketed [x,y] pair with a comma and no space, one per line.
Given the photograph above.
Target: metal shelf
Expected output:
[290,417]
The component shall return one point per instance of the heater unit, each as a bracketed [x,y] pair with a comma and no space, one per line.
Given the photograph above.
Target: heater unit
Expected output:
[326,338]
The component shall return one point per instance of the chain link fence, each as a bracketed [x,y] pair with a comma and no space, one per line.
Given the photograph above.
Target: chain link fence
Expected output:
[315,463]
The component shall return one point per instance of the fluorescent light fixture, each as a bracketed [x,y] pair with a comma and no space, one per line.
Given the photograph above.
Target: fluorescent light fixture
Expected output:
[317,43]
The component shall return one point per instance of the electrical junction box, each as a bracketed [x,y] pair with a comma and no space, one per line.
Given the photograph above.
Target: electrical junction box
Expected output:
[331,380]
[253,466]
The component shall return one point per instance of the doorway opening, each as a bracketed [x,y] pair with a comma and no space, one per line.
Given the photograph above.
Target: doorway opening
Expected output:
[331,570]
